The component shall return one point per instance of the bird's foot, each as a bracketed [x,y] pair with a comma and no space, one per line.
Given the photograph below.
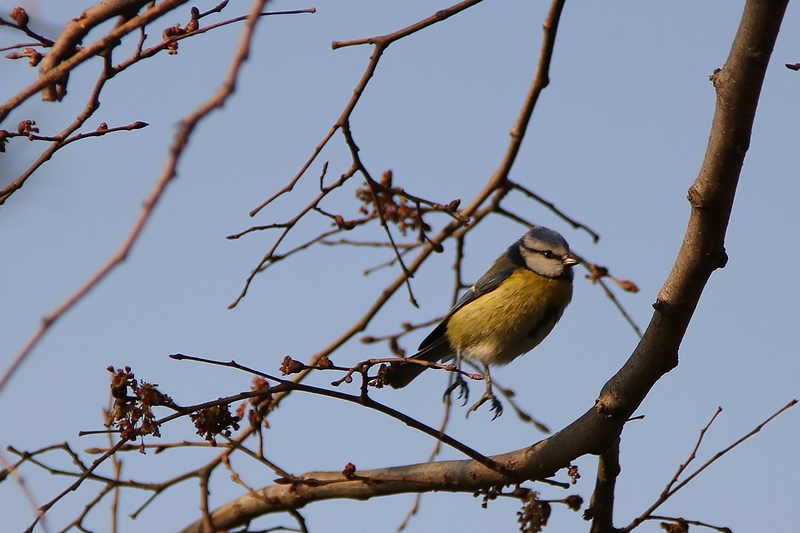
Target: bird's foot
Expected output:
[460,384]
[497,407]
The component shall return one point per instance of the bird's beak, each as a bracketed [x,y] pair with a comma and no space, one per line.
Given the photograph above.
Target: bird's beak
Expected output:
[572,260]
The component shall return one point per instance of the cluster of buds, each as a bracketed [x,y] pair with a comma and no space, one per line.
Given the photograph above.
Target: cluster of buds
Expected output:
[213,421]
[573,474]
[133,402]
[176,30]
[534,514]
[27,128]
[34,56]
[260,405]
[598,272]
[394,207]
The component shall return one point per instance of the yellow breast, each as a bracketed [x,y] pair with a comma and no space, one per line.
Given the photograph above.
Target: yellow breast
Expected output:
[510,320]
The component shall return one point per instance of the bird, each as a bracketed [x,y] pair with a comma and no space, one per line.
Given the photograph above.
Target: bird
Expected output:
[505,314]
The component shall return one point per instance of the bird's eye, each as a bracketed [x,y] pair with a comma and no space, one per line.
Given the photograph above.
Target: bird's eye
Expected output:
[548,254]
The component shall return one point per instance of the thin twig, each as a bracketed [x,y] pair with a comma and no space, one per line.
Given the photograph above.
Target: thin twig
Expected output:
[179,144]
[97,462]
[552,207]
[42,41]
[672,488]
[288,385]
[110,40]
[721,529]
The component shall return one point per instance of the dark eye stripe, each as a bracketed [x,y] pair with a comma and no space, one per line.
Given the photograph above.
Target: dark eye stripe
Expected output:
[543,252]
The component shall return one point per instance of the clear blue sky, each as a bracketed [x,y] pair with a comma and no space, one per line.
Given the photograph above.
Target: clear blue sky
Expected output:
[615,141]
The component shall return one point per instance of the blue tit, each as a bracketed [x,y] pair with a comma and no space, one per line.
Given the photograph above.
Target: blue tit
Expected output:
[507,313]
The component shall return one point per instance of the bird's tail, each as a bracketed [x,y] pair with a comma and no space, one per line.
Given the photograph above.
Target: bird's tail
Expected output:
[401,373]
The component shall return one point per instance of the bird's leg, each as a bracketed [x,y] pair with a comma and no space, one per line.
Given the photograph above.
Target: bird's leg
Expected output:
[497,407]
[458,382]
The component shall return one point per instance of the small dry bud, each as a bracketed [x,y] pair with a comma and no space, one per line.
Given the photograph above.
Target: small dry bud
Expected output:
[368,339]
[573,473]
[172,31]
[290,366]
[382,379]
[27,127]
[452,206]
[349,471]
[3,140]
[20,17]
[259,383]
[325,362]
[341,223]
[628,286]
[192,26]
[521,492]
[102,127]
[679,526]
[35,57]
[574,502]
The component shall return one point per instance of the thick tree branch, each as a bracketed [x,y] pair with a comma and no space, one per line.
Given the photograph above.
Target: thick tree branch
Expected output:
[601,512]
[110,40]
[76,29]
[738,86]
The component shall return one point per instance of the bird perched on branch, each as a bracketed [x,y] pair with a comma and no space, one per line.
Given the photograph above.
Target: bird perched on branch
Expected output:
[507,313]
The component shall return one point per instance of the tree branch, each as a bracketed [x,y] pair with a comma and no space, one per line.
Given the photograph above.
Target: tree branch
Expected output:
[109,40]
[73,33]
[738,86]
[601,511]
[170,170]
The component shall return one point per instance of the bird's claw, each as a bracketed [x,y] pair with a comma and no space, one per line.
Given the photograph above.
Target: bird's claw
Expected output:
[463,389]
[497,407]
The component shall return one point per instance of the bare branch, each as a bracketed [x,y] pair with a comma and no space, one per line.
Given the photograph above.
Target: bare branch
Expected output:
[21,24]
[670,490]
[552,207]
[179,144]
[601,510]
[381,43]
[73,33]
[738,86]
[110,40]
